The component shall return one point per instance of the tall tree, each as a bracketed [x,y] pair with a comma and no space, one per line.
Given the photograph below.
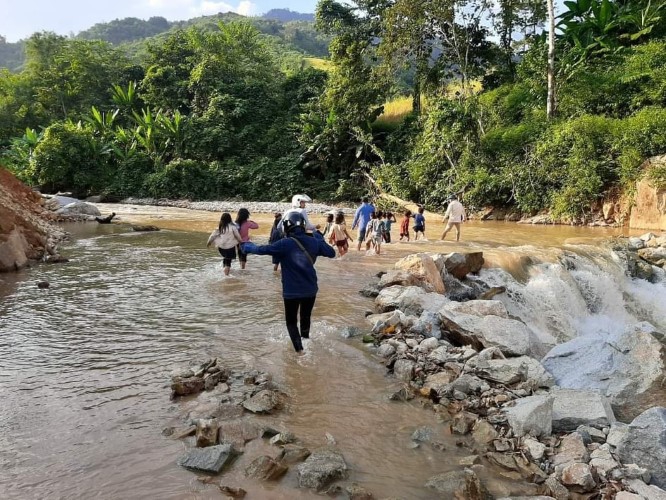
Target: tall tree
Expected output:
[551,98]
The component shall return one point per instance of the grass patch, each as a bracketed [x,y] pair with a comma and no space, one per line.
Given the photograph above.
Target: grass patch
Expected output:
[317,63]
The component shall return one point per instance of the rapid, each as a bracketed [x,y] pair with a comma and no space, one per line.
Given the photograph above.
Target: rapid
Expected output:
[85,364]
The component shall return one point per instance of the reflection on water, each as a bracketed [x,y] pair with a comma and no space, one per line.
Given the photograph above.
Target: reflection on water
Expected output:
[84,365]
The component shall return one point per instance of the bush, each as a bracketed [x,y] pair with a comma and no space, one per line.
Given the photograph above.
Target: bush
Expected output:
[182,179]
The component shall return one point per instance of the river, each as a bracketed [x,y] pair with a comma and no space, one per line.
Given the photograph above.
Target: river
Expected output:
[85,364]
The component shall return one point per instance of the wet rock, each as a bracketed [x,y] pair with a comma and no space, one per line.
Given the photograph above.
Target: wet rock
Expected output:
[283,438]
[265,469]
[385,351]
[572,408]
[321,468]
[402,394]
[206,432]
[410,300]
[462,264]
[571,449]
[458,485]
[210,459]
[43,284]
[462,423]
[233,492]
[648,492]
[349,332]
[511,336]
[357,492]
[484,433]
[145,228]
[187,386]
[182,432]
[293,454]
[423,268]
[212,379]
[263,402]
[238,432]
[79,208]
[645,444]
[371,291]
[531,415]
[422,434]
[579,476]
[535,449]
[655,256]
[625,366]
[403,369]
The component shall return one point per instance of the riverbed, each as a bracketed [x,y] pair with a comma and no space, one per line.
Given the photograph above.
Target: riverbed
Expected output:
[85,364]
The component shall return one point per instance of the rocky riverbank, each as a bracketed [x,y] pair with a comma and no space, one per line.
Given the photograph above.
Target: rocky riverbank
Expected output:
[552,421]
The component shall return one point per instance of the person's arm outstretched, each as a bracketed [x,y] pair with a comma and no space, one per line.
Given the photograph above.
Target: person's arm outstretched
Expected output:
[324,249]
[356,217]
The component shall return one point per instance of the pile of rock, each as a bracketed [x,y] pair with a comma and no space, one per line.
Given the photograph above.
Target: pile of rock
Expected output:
[643,256]
[476,366]
[219,428]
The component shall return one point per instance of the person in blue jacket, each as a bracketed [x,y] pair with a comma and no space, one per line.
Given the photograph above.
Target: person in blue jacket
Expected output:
[362,218]
[297,253]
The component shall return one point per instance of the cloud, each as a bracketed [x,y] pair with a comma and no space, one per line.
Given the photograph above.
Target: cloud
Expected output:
[208,7]
[182,9]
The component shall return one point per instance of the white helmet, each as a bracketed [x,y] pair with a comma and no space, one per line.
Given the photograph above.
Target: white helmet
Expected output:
[298,198]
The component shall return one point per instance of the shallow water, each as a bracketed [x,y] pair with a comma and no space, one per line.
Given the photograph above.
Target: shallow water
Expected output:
[85,364]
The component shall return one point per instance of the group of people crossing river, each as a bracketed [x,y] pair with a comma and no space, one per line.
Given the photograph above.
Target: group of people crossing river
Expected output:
[295,243]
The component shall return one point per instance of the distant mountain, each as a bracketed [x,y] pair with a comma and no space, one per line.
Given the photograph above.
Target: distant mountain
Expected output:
[286,15]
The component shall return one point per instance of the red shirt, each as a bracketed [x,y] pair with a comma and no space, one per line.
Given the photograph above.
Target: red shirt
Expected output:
[404,225]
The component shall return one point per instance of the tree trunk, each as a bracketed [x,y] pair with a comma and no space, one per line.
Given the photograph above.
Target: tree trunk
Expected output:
[550,106]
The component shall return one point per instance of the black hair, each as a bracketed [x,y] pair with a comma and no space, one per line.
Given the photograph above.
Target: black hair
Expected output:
[278,218]
[421,210]
[339,218]
[408,213]
[225,220]
[365,199]
[243,215]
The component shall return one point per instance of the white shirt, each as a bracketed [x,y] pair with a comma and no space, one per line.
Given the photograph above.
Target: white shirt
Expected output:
[308,225]
[455,212]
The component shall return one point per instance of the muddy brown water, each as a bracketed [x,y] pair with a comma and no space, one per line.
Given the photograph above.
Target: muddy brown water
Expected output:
[85,364]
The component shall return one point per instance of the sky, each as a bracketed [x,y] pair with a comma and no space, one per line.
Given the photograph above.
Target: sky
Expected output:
[21,18]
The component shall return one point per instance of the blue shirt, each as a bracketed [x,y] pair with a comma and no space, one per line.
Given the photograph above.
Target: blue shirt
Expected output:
[363,215]
[419,221]
[299,278]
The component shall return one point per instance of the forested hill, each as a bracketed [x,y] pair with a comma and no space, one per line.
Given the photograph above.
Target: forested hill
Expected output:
[293,31]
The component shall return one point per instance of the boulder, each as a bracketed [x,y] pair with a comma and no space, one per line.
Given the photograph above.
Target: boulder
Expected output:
[427,325]
[238,432]
[410,300]
[293,454]
[645,444]
[478,308]
[532,415]
[80,208]
[462,264]
[572,408]
[424,269]
[263,402]
[265,469]
[655,256]
[571,450]
[501,372]
[388,321]
[186,386]
[210,459]
[321,468]
[458,485]
[646,492]
[625,366]
[578,476]
[398,277]
[649,210]
[510,335]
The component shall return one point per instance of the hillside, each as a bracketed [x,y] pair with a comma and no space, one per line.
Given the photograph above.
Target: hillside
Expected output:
[288,31]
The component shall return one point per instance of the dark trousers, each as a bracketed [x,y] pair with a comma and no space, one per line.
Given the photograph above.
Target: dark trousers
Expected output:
[291,310]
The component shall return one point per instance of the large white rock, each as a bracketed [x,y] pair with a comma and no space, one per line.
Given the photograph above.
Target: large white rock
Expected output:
[627,367]
[510,335]
[478,308]
[80,208]
[423,267]
[644,444]
[411,300]
[532,415]
[572,408]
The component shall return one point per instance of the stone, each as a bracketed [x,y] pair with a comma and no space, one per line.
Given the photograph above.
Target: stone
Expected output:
[501,372]
[469,460]
[462,264]
[484,433]
[423,268]
[625,366]
[648,492]
[532,415]
[510,335]
[655,256]
[293,454]
[649,210]
[265,468]
[385,351]
[578,475]
[427,325]
[357,492]
[388,321]
[572,408]
[238,432]
[263,402]
[462,423]
[469,384]
[458,485]
[403,369]
[398,277]
[478,308]
[187,386]
[145,228]
[645,444]
[422,434]
[411,300]
[535,449]
[79,208]
[629,472]
[595,435]
[571,449]
[232,492]
[210,459]
[206,432]
[625,495]
[321,468]
[556,489]
[428,345]
[283,438]
[349,332]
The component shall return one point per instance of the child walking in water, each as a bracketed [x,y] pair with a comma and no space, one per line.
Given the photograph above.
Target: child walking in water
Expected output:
[419,224]
[276,234]
[389,219]
[404,225]
[225,238]
[339,235]
[244,225]
[375,234]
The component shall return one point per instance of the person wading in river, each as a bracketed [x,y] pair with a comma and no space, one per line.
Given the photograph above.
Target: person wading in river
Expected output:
[455,212]
[225,238]
[297,253]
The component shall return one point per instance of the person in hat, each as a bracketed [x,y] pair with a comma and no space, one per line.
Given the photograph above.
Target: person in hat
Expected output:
[455,213]
[297,253]
[298,203]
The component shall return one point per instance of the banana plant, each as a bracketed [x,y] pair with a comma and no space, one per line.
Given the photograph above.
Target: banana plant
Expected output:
[102,123]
